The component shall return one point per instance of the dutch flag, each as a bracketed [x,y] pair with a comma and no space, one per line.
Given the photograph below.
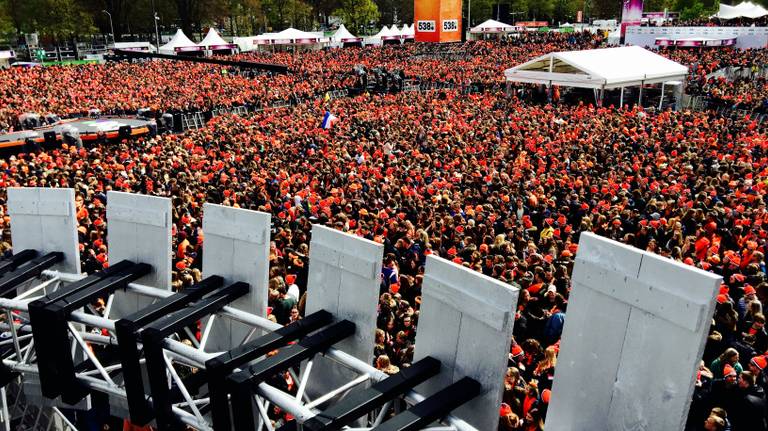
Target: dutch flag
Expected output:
[328,120]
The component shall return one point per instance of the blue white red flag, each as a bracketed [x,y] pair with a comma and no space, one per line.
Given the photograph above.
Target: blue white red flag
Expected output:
[328,120]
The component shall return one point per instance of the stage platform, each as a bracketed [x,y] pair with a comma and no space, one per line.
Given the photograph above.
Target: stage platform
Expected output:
[87,129]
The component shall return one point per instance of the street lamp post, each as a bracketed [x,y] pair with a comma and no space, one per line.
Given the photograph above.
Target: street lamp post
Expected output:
[469,14]
[157,32]
[111,27]
[156,19]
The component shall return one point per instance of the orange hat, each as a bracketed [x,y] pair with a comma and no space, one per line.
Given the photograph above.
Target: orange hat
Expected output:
[181,265]
[545,395]
[749,290]
[290,278]
[517,351]
[759,362]
[729,371]
[505,410]
[394,288]
[722,299]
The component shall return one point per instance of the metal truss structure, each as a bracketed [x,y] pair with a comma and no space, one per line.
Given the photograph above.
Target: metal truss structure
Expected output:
[227,374]
[141,354]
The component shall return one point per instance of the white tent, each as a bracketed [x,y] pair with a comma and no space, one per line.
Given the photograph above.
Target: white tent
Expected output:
[292,36]
[493,26]
[742,10]
[386,33]
[605,68]
[179,42]
[214,41]
[408,31]
[342,35]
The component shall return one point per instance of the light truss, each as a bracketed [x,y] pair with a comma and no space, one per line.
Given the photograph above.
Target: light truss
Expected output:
[192,410]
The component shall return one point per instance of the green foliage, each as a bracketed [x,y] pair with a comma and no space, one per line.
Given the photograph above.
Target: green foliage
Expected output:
[356,14]
[694,11]
[481,11]
[244,16]
[6,23]
[395,11]
[54,18]
[281,14]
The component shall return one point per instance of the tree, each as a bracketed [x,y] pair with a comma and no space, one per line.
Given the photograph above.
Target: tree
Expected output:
[325,8]
[243,16]
[395,11]
[564,10]
[481,11]
[356,14]
[692,12]
[605,9]
[59,19]
[520,10]
[541,9]
[300,15]
[6,21]
[193,13]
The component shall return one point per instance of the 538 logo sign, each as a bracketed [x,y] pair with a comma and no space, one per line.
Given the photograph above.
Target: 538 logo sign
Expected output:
[425,26]
[451,25]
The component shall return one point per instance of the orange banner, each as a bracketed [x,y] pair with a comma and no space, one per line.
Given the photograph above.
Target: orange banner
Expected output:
[437,20]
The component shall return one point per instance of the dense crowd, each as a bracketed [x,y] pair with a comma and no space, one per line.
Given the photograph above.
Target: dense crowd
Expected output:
[488,181]
[163,86]
[726,77]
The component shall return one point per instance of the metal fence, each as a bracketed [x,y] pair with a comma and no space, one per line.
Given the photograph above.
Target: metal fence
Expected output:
[703,103]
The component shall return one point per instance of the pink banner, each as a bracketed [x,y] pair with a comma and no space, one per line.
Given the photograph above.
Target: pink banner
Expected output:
[631,14]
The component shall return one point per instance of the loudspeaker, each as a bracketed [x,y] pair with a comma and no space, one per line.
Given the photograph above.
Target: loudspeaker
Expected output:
[30,146]
[124,132]
[50,140]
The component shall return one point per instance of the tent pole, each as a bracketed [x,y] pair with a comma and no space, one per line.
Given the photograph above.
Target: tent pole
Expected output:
[621,98]
[661,100]
[640,98]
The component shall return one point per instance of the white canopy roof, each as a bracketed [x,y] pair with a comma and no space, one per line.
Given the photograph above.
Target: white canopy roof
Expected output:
[213,39]
[742,10]
[492,26]
[387,33]
[599,68]
[343,35]
[293,36]
[179,40]
[408,32]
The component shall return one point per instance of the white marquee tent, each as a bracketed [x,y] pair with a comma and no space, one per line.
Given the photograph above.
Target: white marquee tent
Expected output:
[492,26]
[386,33]
[599,69]
[408,32]
[741,10]
[287,37]
[605,68]
[342,36]
[214,41]
[179,42]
